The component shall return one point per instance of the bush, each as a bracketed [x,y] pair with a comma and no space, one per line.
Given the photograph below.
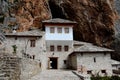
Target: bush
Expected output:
[115,78]
[105,78]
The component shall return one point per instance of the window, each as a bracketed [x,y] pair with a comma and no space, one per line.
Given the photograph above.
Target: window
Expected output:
[81,54]
[52,29]
[59,48]
[32,43]
[15,38]
[94,59]
[28,55]
[51,48]
[89,72]
[66,48]
[66,30]
[33,57]
[103,71]
[104,54]
[59,30]
[65,61]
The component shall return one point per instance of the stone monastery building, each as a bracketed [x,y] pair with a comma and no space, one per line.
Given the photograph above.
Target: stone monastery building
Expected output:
[55,48]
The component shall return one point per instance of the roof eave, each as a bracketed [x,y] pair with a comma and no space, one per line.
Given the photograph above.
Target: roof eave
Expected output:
[23,35]
[51,23]
[92,51]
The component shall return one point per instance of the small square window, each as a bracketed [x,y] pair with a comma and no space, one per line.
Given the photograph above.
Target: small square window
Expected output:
[15,38]
[59,30]
[81,54]
[52,30]
[103,71]
[89,72]
[65,61]
[94,59]
[33,56]
[66,48]
[32,43]
[51,48]
[66,30]
[59,48]
[104,54]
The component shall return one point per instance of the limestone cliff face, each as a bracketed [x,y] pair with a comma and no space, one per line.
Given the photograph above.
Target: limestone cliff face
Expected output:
[116,43]
[29,13]
[95,19]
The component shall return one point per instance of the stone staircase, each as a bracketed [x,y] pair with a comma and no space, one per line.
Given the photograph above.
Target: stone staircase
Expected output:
[29,68]
[10,67]
[55,75]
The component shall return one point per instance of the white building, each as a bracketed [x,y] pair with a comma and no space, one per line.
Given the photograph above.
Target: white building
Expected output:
[56,49]
[59,41]
[28,44]
[90,59]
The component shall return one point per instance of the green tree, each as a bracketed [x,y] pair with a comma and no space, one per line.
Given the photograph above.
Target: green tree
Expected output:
[14,49]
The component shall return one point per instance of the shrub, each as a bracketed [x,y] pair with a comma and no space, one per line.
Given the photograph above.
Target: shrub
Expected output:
[105,78]
[115,78]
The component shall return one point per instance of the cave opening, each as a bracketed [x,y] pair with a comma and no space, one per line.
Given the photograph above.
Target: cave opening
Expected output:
[56,10]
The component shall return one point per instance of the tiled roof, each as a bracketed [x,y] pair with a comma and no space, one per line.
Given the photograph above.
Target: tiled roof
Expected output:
[58,20]
[114,62]
[88,47]
[34,33]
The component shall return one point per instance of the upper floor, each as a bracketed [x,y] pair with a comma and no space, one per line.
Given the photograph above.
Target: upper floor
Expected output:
[59,29]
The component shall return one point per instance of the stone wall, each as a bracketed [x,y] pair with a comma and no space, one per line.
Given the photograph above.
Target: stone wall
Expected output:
[10,67]
[94,62]
[23,46]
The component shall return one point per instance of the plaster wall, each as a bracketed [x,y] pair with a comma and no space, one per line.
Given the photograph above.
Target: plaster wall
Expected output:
[59,36]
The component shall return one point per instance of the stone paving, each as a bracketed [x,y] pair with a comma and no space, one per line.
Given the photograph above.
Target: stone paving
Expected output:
[55,75]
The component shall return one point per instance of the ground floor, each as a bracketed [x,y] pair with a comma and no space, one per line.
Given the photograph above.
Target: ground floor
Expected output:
[88,63]
[57,63]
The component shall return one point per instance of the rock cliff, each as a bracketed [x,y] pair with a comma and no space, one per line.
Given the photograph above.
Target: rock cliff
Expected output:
[29,13]
[116,43]
[95,18]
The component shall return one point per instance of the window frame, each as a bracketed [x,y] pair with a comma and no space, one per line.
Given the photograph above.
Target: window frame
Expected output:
[94,59]
[66,48]
[65,30]
[59,48]
[65,61]
[52,29]
[89,72]
[32,43]
[52,48]
[103,71]
[59,30]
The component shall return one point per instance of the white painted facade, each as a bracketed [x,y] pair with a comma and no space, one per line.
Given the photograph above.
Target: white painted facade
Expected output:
[59,39]
[59,36]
